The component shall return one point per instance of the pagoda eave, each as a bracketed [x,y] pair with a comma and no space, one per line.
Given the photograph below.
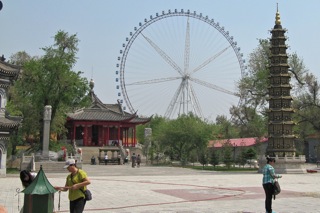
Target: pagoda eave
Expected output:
[281,150]
[281,110]
[282,122]
[280,97]
[282,136]
[279,75]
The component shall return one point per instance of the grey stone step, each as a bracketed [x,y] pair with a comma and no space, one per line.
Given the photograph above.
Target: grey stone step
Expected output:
[53,166]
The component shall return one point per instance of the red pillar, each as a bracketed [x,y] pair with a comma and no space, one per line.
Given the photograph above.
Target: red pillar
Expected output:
[104,129]
[124,137]
[127,136]
[85,135]
[108,135]
[135,139]
[74,132]
[89,138]
[119,133]
[101,135]
[134,136]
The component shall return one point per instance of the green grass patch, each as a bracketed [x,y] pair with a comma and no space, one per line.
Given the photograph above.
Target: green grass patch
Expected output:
[211,168]
[13,171]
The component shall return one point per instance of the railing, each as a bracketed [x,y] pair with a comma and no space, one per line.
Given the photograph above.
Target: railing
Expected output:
[293,158]
[77,157]
[286,158]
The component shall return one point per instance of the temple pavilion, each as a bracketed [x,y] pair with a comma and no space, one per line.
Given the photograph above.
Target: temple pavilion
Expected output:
[8,124]
[103,124]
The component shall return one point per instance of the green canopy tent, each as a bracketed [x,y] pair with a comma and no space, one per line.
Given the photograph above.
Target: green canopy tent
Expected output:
[39,195]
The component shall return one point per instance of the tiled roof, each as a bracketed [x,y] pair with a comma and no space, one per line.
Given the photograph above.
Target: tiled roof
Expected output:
[140,120]
[99,111]
[7,69]
[97,103]
[236,142]
[113,107]
[9,123]
[98,114]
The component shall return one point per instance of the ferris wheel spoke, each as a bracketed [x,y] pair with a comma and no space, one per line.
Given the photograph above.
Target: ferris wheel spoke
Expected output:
[174,101]
[197,107]
[153,81]
[212,86]
[187,48]
[164,55]
[209,60]
[183,98]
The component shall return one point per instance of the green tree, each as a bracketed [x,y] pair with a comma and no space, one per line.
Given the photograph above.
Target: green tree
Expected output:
[307,107]
[150,144]
[223,128]
[227,154]
[214,157]
[227,159]
[242,157]
[251,154]
[193,157]
[179,137]
[20,58]
[50,80]
[155,124]
[203,157]
[140,133]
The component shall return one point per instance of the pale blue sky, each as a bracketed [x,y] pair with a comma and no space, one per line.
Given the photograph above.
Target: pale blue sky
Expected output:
[103,25]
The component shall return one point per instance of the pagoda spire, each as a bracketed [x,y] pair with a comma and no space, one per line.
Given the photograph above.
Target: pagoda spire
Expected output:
[278,20]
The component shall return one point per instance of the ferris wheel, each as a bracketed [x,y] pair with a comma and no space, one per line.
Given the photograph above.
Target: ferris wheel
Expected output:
[179,62]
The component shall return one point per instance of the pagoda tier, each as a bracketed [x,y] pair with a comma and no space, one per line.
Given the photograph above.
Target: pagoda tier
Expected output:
[280,133]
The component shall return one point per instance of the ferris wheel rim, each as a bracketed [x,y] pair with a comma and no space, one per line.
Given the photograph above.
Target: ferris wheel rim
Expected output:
[158,17]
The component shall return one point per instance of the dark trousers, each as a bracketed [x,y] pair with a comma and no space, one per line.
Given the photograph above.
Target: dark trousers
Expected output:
[77,206]
[268,189]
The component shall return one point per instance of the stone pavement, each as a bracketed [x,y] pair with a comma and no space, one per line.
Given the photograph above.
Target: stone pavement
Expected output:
[122,189]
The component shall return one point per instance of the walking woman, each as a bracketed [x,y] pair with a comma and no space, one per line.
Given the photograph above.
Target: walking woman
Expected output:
[268,179]
[76,183]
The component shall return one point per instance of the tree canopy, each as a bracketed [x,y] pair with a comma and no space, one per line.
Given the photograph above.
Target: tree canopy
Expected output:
[179,137]
[48,80]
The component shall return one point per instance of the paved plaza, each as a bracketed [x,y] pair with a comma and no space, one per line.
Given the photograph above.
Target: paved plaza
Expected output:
[122,189]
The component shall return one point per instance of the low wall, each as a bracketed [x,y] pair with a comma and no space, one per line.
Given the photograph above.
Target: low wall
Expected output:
[286,165]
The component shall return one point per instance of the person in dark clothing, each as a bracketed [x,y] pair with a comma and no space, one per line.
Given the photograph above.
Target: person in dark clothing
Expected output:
[26,178]
[93,160]
[138,160]
[268,179]
[133,160]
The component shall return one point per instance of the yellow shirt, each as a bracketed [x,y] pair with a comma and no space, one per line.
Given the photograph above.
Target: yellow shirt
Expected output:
[78,178]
